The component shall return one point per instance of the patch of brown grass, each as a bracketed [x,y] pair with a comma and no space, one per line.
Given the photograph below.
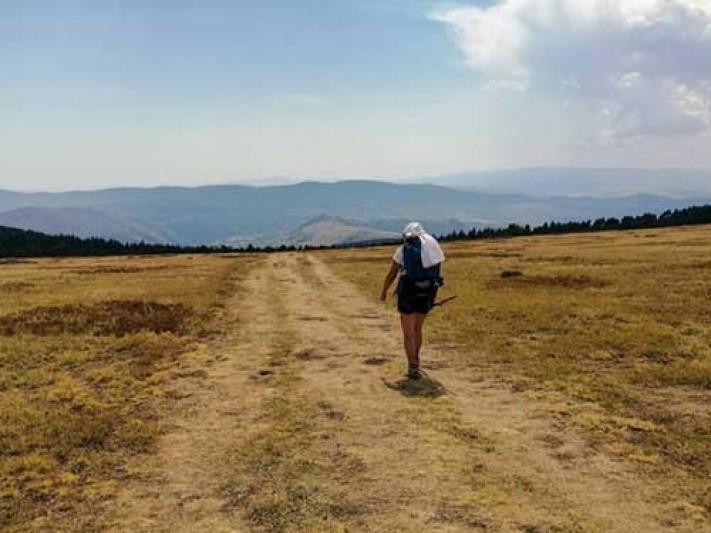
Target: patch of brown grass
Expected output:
[107,270]
[703,265]
[15,286]
[464,254]
[566,281]
[115,317]
[104,269]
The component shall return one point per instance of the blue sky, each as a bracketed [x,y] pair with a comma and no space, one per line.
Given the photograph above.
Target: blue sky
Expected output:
[131,92]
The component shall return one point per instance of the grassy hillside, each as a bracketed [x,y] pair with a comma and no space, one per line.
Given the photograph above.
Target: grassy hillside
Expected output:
[612,331]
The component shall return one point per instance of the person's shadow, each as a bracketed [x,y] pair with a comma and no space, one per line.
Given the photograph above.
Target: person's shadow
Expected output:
[425,387]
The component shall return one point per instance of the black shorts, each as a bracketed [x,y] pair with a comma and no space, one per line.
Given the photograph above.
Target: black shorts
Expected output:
[412,299]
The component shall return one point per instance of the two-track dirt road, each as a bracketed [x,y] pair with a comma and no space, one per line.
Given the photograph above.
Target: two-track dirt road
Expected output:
[305,424]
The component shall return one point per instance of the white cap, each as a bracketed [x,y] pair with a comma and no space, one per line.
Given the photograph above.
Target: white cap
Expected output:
[413,229]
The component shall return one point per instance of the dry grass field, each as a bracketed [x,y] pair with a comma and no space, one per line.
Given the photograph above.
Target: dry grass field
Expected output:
[90,350]
[609,331]
[265,393]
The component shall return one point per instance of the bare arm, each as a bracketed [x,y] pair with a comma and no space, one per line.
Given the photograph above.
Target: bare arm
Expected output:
[392,274]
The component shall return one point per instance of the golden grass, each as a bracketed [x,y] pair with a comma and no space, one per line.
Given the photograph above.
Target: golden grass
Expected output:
[619,324]
[88,350]
[278,478]
[609,334]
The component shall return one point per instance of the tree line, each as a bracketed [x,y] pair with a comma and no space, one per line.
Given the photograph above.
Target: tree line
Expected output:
[25,243]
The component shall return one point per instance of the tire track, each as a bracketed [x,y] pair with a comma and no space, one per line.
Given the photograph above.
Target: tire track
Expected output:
[179,489]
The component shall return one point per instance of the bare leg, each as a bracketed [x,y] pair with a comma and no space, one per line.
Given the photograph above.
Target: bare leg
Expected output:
[419,321]
[409,337]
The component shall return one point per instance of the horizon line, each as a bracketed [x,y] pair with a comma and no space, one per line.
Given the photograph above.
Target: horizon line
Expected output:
[283,181]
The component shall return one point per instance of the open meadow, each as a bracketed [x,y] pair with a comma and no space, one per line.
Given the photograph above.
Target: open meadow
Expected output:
[610,331]
[568,389]
[619,319]
[90,350]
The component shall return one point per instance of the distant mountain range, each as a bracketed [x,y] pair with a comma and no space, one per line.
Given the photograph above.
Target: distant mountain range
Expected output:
[303,213]
[80,222]
[599,182]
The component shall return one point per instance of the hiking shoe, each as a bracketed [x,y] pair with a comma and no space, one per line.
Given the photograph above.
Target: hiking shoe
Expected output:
[413,372]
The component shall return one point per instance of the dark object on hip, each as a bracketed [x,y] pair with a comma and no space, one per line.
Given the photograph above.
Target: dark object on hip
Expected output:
[416,296]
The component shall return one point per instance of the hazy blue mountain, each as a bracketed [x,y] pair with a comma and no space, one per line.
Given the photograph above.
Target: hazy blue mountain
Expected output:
[438,226]
[217,213]
[604,182]
[325,230]
[80,222]
[235,213]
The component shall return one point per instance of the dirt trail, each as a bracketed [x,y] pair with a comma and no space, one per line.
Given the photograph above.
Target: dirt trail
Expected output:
[454,452]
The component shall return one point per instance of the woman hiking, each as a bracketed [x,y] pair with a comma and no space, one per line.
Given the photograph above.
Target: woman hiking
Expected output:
[418,261]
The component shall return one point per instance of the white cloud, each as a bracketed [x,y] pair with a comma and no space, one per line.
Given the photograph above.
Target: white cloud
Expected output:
[644,64]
